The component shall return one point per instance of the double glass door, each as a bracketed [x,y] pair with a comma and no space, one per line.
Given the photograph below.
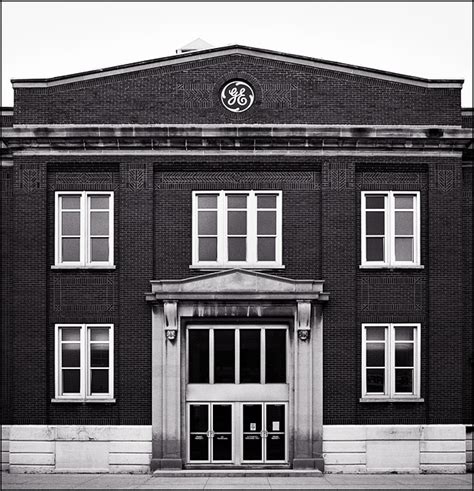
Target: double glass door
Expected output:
[238,433]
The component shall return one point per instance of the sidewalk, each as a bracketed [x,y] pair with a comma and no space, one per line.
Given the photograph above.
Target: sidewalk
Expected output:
[147,481]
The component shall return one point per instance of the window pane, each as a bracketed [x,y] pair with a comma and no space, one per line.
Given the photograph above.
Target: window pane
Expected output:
[99,381]
[198,346]
[404,354]
[404,380]
[71,354]
[374,249]
[266,249]
[237,223]
[250,356]
[199,418]
[100,249]
[403,249]
[71,381]
[224,356]
[71,334]
[375,224]
[375,201]
[71,202]
[252,445]
[275,356]
[237,201]
[375,355]
[99,355]
[275,414]
[222,418]
[70,249]
[207,201]
[207,249]
[100,223]
[266,223]
[99,202]
[266,201]
[237,248]
[404,333]
[402,201]
[99,334]
[404,223]
[207,223]
[375,333]
[376,380]
[71,223]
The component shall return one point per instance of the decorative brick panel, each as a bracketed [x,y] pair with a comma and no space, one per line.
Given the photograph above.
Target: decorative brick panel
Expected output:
[339,176]
[76,181]
[136,178]
[30,178]
[391,294]
[83,294]
[235,180]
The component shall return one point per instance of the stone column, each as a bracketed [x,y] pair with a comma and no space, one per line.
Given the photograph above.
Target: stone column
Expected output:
[303,430]
[166,399]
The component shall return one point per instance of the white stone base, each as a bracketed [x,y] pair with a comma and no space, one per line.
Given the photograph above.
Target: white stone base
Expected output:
[114,449]
[346,448]
[394,448]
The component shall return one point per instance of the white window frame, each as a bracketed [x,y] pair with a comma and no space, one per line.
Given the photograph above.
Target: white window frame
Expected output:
[85,377]
[85,235]
[390,362]
[251,209]
[389,222]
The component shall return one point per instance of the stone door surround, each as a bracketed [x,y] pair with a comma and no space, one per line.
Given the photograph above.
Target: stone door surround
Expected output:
[235,294]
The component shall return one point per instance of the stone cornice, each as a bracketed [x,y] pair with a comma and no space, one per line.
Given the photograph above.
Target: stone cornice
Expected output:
[236,137]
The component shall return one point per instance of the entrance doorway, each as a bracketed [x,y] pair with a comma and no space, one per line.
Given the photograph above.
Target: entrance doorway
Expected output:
[237,394]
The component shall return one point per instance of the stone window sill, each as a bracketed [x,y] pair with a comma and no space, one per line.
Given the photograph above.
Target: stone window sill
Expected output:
[81,401]
[82,267]
[233,266]
[391,266]
[391,399]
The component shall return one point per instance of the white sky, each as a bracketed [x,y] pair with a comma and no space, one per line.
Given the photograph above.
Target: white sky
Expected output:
[425,39]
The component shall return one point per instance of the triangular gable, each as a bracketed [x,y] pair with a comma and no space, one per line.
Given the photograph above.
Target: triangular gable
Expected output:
[204,54]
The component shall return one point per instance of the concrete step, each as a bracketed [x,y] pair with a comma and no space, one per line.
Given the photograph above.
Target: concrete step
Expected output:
[238,473]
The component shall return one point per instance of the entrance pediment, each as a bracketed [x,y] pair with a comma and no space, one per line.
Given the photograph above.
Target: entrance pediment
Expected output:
[234,284]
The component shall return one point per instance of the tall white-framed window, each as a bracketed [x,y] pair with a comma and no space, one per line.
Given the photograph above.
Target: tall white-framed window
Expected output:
[391,361]
[390,233]
[84,227]
[84,362]
[237,228]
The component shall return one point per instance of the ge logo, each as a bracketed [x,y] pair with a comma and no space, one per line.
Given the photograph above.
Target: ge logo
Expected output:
[237,96]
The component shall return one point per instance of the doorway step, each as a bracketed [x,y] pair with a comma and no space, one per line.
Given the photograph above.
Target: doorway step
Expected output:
[238,473]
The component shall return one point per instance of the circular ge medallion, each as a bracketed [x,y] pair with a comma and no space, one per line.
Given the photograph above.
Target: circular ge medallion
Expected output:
[237,96]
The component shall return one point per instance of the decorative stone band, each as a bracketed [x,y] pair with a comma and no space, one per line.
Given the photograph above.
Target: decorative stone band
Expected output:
[239,137]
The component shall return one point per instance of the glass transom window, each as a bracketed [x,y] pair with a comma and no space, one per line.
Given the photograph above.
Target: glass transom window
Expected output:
[237,228]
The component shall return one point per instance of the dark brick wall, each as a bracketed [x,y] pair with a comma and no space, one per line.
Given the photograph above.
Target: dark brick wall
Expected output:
[468,318]
[285,93]
[6,295]
[321,218]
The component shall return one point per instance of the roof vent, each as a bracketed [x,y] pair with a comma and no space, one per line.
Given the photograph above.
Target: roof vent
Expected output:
[195,45]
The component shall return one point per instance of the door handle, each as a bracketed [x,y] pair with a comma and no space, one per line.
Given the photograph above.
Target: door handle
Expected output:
[264,433]
[210,434]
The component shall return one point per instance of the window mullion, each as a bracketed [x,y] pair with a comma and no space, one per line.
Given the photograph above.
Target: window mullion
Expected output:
[252,227]
[237,356]
[211,356]
[221,228]
[262,356]
[84,361]
[84,242]
[390,229]
[391,364]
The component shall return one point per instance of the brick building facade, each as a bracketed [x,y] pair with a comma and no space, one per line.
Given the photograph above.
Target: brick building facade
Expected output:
[233,258]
